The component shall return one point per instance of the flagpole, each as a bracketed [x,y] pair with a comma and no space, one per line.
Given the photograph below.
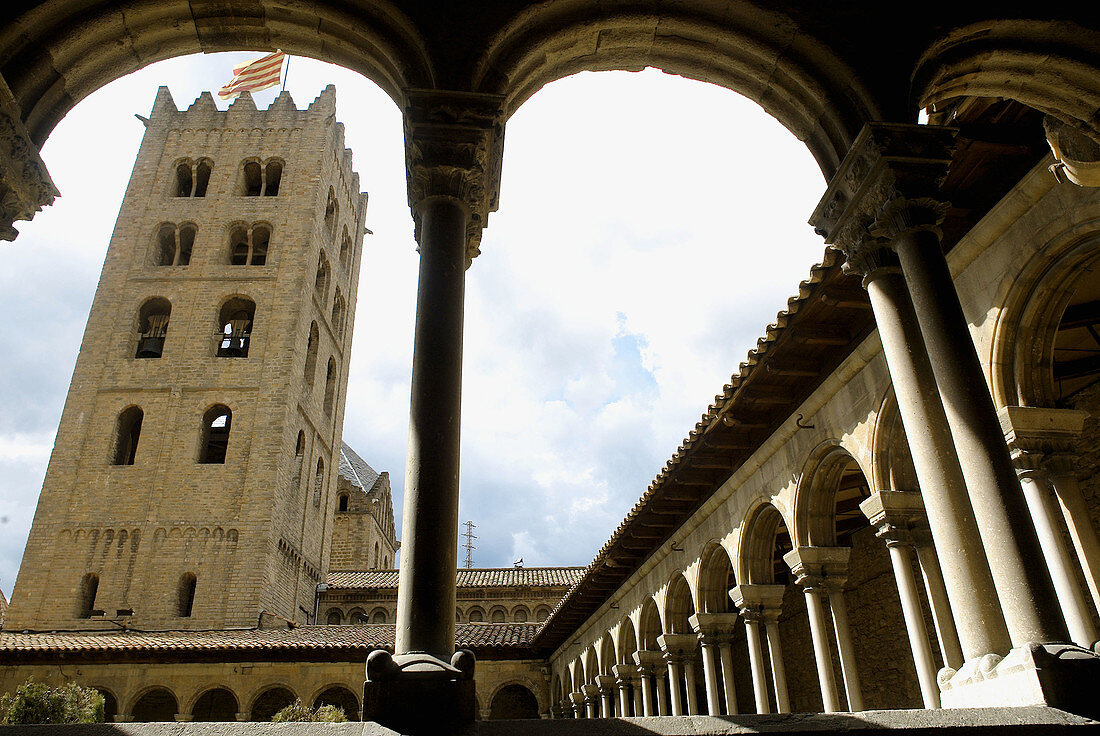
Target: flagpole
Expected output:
[285,74]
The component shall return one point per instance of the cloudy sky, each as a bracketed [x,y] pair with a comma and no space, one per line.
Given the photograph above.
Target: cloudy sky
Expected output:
[650,227]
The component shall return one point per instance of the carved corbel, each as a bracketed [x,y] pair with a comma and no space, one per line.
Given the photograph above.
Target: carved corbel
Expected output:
[887,185]
[25,184]
[453,147]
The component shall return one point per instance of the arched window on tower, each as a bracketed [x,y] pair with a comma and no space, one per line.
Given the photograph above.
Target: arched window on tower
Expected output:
[248,245]
[85,603]
[186,598]
[320,283]
[192,178]
[318,483]
[214,444]
[202,177]
[338,309]
[185,180]
[273,177]
[152,327]
[299,458]
[330,387]
[252,179]
[235,321]
[342,502]
[345,248]
[332,213]
[127,432]
[377,555]
[311,355]
[174,244]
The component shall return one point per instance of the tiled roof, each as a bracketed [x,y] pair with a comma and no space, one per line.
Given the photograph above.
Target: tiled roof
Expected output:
[488,577]
[355,468]
[364,637]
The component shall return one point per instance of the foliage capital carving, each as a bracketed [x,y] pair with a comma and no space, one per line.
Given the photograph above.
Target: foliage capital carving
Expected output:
[25,185]
[453,147]
[887,185]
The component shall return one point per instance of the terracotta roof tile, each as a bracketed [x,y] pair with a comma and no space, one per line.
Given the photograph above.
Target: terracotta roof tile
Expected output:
[489,577]
[364,637]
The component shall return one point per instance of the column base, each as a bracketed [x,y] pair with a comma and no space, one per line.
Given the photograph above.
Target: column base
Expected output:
[420,694]
[1062,676]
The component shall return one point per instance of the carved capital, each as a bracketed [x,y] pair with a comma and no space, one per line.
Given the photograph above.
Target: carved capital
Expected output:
[25,185]
[453,147]
[887,185]
[869,258]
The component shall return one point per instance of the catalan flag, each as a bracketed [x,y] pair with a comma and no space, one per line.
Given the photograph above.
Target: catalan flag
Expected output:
[253,76]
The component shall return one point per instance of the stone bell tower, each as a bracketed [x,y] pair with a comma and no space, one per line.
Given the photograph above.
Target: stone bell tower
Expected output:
[193,479]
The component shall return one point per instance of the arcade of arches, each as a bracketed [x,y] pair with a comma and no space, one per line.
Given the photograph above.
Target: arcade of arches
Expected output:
[892,503]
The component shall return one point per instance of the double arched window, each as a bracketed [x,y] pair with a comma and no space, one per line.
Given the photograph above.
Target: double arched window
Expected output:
[173,244]
[235,327]
[127,433]
[261,180]
[192,177]
[214,443]
[152,327]
[248,245]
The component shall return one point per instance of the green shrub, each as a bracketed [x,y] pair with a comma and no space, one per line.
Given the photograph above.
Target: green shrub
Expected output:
[37,702]
[299,711]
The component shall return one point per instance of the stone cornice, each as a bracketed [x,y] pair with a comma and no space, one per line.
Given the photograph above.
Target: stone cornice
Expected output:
[888,183]
[25,185]
[453,147]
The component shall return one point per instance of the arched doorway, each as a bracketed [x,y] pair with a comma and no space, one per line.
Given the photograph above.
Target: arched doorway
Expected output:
[513,701]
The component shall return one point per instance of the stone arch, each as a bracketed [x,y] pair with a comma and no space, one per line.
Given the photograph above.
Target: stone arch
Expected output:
[764,540]
[357,616]
[513,700]
[715,579]
[475,614]
[126,435]
[607,656]
[270,701]
[808,87]
[379,616]
[156,704]
[521,614]
[339,696]
[236,320]
[1048,65]
[151,328]
[217,423]
[649,625]
[64,55]
[542,613]
[1033,308]
[214,704]
[628,642]
[827,476]
[892,463]
[334,617]
[590,663]
[678,606]
[498,614]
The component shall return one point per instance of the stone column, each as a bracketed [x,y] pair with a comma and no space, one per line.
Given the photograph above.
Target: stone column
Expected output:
[1029,431]
[935,588]
[811,567]
[715,631]
[660,680]
[453,144]
[626,678]
[760,606]
[639,709]
[888,167]
[775,655]
[835,586]
[578,704]
[25,185]
[679,654]
[651,668]
[1082,533]
[892,513]
[606,685]
[591,694]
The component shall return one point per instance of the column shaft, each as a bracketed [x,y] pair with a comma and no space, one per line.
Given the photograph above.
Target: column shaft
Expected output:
[1070,597]
[756,661]
[902,561]
[675,684]
[429,555]
[1081,531]
[662,694]
[967,577]
[846,649]
[639,708]
[946,633]
[1024,589]
[829,700]
[647,695]
[725,657]
[689,686]
[624,699]
[779,673]
[710,679]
